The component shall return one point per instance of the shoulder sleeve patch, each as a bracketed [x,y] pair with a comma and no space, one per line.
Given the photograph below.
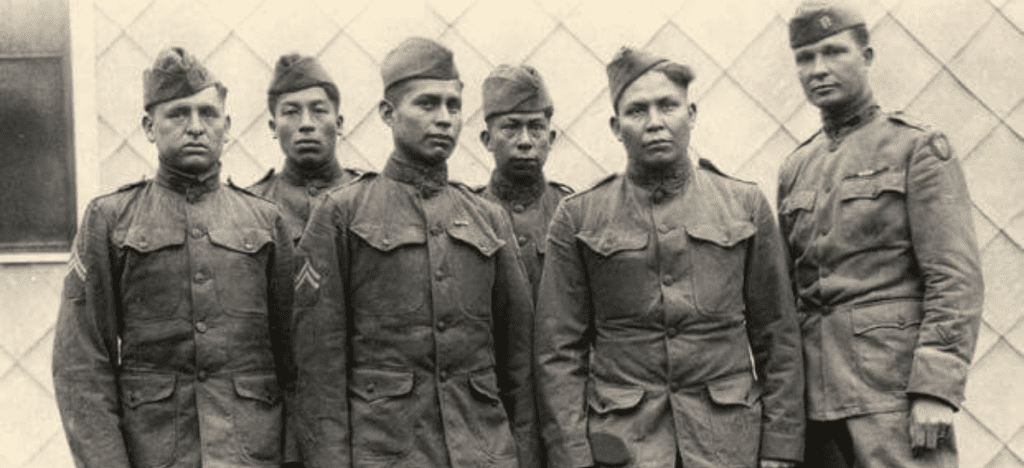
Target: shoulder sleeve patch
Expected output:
[940,146]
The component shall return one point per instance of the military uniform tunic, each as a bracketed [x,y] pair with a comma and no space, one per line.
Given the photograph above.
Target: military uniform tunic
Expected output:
[531,215]
[666,320]
[171,342]
[296,195]
[884,262]
[413,329]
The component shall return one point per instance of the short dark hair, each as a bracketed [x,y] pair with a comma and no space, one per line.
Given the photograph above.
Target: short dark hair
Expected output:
[550,111]
[861,35]
[332,95]
[399,89]
[677,73]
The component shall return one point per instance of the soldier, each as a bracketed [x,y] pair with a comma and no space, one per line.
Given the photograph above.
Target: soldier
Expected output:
[413,313]
[517,110]
[665,326]
[170,346]
[884,260]
[306,120]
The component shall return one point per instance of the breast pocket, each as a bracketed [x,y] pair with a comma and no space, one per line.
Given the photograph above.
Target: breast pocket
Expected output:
[872,209]
[150,418]
[155,274]
[719,258]
[473,266]
[616,259]
[241,269]
[389,268]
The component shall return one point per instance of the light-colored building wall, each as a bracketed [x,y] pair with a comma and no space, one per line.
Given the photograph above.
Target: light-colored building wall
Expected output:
[954,63]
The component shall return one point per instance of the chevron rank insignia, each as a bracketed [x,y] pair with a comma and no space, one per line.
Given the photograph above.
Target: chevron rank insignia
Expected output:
[307,284]
[75,264]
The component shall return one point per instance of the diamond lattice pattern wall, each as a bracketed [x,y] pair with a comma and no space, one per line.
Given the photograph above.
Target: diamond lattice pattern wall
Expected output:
[950,62]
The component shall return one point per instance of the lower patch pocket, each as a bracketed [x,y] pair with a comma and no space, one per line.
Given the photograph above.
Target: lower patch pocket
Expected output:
[258,417]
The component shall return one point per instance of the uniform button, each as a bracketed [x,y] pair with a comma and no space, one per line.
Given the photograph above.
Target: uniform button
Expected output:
[312,190]
[522,240]
[674,386]
[436,231]
[199,277]
[442,325]
[663,229]
[143,242]
[518,208]
[370,388]
[672,332]
[197,233]
[248,244]
[824,231]
[666,280]
[201,327]
[201,376]
[443,376]
[439,275]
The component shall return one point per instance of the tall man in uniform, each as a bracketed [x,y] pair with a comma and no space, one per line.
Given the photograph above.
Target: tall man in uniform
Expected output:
[665,327]
[413,313]
[885,264]
[171,341]
[517,111]
[306,120]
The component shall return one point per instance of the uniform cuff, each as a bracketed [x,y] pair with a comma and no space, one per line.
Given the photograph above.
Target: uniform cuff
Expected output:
[938,375]
[777,446]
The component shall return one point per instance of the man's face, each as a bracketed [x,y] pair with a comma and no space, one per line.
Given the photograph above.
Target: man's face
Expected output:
[834,70]
[654,121]
[189,132]
[427,120]
[306,124]
[520,143]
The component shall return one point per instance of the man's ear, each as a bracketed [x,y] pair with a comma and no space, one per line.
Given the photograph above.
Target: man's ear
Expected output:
[147,126]
[273,127]
[551,136]
[227,123]
[692,109]
[386,110]
[341,123]
[485,139]
[614,124]
[869,55]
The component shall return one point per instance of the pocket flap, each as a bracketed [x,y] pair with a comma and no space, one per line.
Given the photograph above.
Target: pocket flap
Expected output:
[247,241]
[890,314]
[605,397]
[374,384]
[726,235]
[139,389]
[611,240]
[734,390]
[799,200]
[485,386]
[386,238]
[872,186]
[147,238]
[482,238]
[258,387]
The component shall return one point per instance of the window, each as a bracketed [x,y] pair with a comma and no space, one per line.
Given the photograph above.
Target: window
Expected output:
[37,180]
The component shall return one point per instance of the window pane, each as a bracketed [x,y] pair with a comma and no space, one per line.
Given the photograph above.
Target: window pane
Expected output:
[37,209]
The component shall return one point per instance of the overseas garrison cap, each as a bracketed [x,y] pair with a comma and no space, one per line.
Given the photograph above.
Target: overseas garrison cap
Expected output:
[816,20]
[626,67]
[295,72]
[515,89]
[418,58]
[175,74]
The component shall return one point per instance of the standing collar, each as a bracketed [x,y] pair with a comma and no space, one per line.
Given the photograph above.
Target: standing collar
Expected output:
[320,178]
[193,186]
[662,184]
[429,180]
[842,122]
[512,192]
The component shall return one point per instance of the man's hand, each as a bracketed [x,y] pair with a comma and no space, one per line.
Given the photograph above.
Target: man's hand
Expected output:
[931,423]
[766,463]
